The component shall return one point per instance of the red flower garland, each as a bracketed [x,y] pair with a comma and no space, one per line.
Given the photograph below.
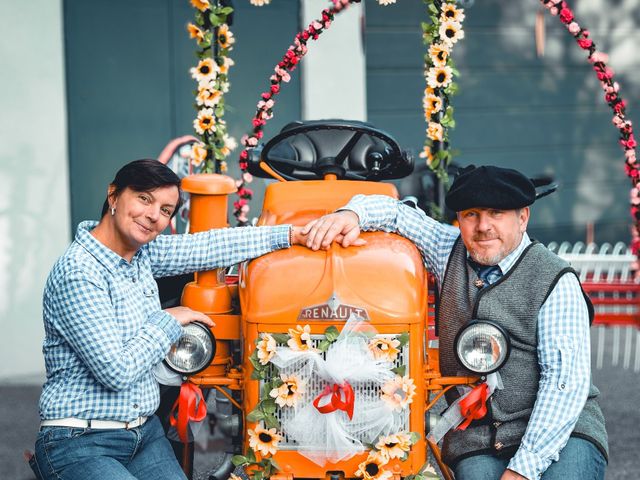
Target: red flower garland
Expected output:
[615,101]
[264,109]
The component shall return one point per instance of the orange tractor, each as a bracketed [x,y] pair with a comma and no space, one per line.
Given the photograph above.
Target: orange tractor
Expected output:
[325,355]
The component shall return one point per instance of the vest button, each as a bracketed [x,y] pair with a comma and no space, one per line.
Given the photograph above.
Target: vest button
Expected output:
[498,445]
[497,424]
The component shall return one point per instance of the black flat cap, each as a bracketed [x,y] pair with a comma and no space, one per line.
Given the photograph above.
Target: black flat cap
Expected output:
[490,187]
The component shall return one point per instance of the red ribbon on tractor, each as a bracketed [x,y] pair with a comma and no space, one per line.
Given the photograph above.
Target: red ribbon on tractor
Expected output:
[189,406]
[474,405]
[337,393]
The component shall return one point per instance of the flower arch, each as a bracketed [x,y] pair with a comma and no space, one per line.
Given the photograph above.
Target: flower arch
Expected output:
[444,30]
[612,96]
[264,108]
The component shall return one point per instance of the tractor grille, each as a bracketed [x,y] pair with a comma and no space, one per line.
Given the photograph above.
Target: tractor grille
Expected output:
[362,390]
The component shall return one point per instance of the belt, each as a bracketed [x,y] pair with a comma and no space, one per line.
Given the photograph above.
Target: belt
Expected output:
[96,424]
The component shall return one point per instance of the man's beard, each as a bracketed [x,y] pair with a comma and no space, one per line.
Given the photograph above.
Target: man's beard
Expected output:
[486,259]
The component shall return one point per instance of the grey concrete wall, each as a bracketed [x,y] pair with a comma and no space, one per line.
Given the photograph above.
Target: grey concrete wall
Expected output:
[334,72]
[34,203]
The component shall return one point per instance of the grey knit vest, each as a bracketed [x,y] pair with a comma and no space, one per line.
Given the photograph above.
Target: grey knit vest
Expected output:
[514,302]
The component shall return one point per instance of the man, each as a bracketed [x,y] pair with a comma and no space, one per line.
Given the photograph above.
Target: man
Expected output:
[545,422]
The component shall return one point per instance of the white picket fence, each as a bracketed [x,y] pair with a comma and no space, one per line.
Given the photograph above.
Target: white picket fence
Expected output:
[607,264]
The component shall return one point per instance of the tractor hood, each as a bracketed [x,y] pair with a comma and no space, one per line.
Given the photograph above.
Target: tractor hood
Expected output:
[383,282]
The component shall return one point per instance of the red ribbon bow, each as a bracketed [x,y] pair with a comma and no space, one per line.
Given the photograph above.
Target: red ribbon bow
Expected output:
[189,406]
[474,405]
[337,403]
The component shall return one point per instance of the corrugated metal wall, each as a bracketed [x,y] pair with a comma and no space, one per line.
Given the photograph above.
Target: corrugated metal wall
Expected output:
[539,115]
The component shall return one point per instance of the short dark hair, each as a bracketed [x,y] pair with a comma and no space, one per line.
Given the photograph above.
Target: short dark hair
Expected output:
[144,176]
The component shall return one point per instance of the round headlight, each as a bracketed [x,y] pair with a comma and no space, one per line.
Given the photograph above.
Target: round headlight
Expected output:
[193,352]
[482,346]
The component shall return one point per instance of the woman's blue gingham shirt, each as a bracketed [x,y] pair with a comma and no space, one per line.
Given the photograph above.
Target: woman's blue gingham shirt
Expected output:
[563,330]
[104,327]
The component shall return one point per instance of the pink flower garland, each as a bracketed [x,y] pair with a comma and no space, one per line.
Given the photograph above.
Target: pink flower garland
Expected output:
[264,109]
[615,101]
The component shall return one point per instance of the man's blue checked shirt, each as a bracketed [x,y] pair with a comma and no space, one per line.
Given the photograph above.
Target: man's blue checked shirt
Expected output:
[104,327]
[563,330]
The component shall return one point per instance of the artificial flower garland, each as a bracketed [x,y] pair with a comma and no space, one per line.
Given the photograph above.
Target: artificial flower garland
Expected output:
[277,390]
[215,41]
[264,109]
[613,98]
[440,35]
[283,391]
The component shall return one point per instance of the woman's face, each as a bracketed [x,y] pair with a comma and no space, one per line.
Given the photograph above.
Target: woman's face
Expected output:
[141,216]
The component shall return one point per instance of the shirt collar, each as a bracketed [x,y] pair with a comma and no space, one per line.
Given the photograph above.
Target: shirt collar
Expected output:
[507,262]
[110,259]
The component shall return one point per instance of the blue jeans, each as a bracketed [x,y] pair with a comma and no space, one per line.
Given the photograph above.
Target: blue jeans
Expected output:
[142,453]
[579,460]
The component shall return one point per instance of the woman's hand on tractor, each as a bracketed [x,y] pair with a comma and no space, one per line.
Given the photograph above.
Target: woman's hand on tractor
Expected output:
[298,237]
[342,227]
[185,315]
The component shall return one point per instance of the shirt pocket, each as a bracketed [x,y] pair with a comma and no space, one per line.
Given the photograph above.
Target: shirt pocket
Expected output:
[150,293]
[567,356]
[150,289]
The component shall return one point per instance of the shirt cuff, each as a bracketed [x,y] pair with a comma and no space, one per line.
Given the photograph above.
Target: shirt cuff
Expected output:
[528,464]
[168,324]
[279,237]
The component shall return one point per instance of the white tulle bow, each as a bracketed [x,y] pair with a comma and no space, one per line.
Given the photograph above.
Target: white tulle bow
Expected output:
[348,364]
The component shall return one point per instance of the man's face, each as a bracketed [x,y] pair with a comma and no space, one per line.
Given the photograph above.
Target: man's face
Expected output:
[489,234]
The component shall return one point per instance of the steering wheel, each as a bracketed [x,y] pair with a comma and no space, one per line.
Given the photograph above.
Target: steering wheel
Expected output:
[350,150]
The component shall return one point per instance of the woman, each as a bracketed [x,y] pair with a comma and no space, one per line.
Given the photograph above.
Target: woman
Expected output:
[105,329]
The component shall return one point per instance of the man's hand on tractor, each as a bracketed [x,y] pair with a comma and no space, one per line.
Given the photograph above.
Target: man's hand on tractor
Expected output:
[342,227]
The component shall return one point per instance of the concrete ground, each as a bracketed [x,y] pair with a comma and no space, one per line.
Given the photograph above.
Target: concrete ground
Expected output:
[619,400]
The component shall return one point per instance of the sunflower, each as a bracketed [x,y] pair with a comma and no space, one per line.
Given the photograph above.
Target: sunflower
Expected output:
[372,468]
[394,446]
[432,104]
[198,154]
[263,440]
[439,76]
[223,167]
[439,52]
[288,393]
[205,71]
[426,153]
[450,12]
[195,32]
[266,349]
[225,37]
[300,338]
[207,97]
[399,392]
[435,131]
[384,349]
[229,144]
[205,123]
[201,5]
[450,32]
[224,68]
